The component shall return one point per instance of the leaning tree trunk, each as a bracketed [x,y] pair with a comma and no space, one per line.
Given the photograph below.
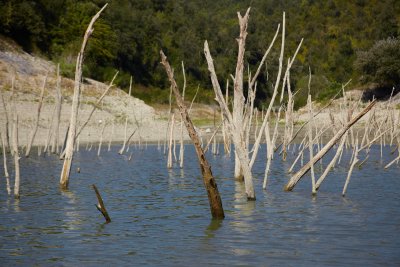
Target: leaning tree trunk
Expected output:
[210,184]
[297,176]
[69,150]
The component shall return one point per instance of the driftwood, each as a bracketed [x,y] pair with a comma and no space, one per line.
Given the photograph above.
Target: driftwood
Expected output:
[297,176]
[210,184]
[69,149]
[100,205]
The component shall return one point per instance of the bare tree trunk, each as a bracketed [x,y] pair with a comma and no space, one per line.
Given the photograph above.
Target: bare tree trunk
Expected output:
[100,205]
[101,139]
[171,136]
[237,134]
[238,97]
[125,137]
[111,135]
[210,184]
[182,147]
[130,87]
[121,151]
[35,127]
[95,106]
[296,177]
[58,103]
[354,162]
[5,164]
[310,141]
[16,156]
[69,150]
[6,126]
[270,147]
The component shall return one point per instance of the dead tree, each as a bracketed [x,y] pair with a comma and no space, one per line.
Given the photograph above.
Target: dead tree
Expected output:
[69,150]
[16,156]
[56,126]
[100,205]
[6,126]
[5,164]
[210,184]
[35,127]
[297,176]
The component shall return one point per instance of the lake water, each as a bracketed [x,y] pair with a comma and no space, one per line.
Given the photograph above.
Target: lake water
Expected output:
[161,217]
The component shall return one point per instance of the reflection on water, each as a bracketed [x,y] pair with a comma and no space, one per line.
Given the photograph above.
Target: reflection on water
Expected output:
[161,217]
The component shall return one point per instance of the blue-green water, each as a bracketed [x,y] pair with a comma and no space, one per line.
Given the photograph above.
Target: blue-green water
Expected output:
[161,217]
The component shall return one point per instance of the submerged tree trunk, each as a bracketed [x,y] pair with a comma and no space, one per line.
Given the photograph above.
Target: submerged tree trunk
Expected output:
[297,176]
[56,127]
[210,184]
[35,127]
[16,156]
[69,150]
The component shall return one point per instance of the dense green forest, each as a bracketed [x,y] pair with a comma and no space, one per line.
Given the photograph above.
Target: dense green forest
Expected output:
[130,34]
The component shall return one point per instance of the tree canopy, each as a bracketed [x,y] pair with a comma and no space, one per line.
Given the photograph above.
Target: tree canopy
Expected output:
[130,34]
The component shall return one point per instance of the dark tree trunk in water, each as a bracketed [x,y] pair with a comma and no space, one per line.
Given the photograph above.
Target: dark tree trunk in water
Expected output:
[214,198]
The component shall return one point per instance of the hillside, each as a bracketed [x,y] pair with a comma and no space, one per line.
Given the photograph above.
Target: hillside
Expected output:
[29,72]
[130,34]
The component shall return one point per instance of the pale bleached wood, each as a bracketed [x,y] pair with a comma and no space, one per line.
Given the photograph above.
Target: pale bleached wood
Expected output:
[270,147]
[6,123]
[182,147]
[121,151]
[236,133]
[96,105]
[210,184]
[64,177]
[130,87]
[6,174]
[353,163]
[310,141]
[331,163]
[58,103]
[171,136]
[37,118]
[238,97]
[296,177]
[125,137]
[16,157]
[111,136]
[101,139]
